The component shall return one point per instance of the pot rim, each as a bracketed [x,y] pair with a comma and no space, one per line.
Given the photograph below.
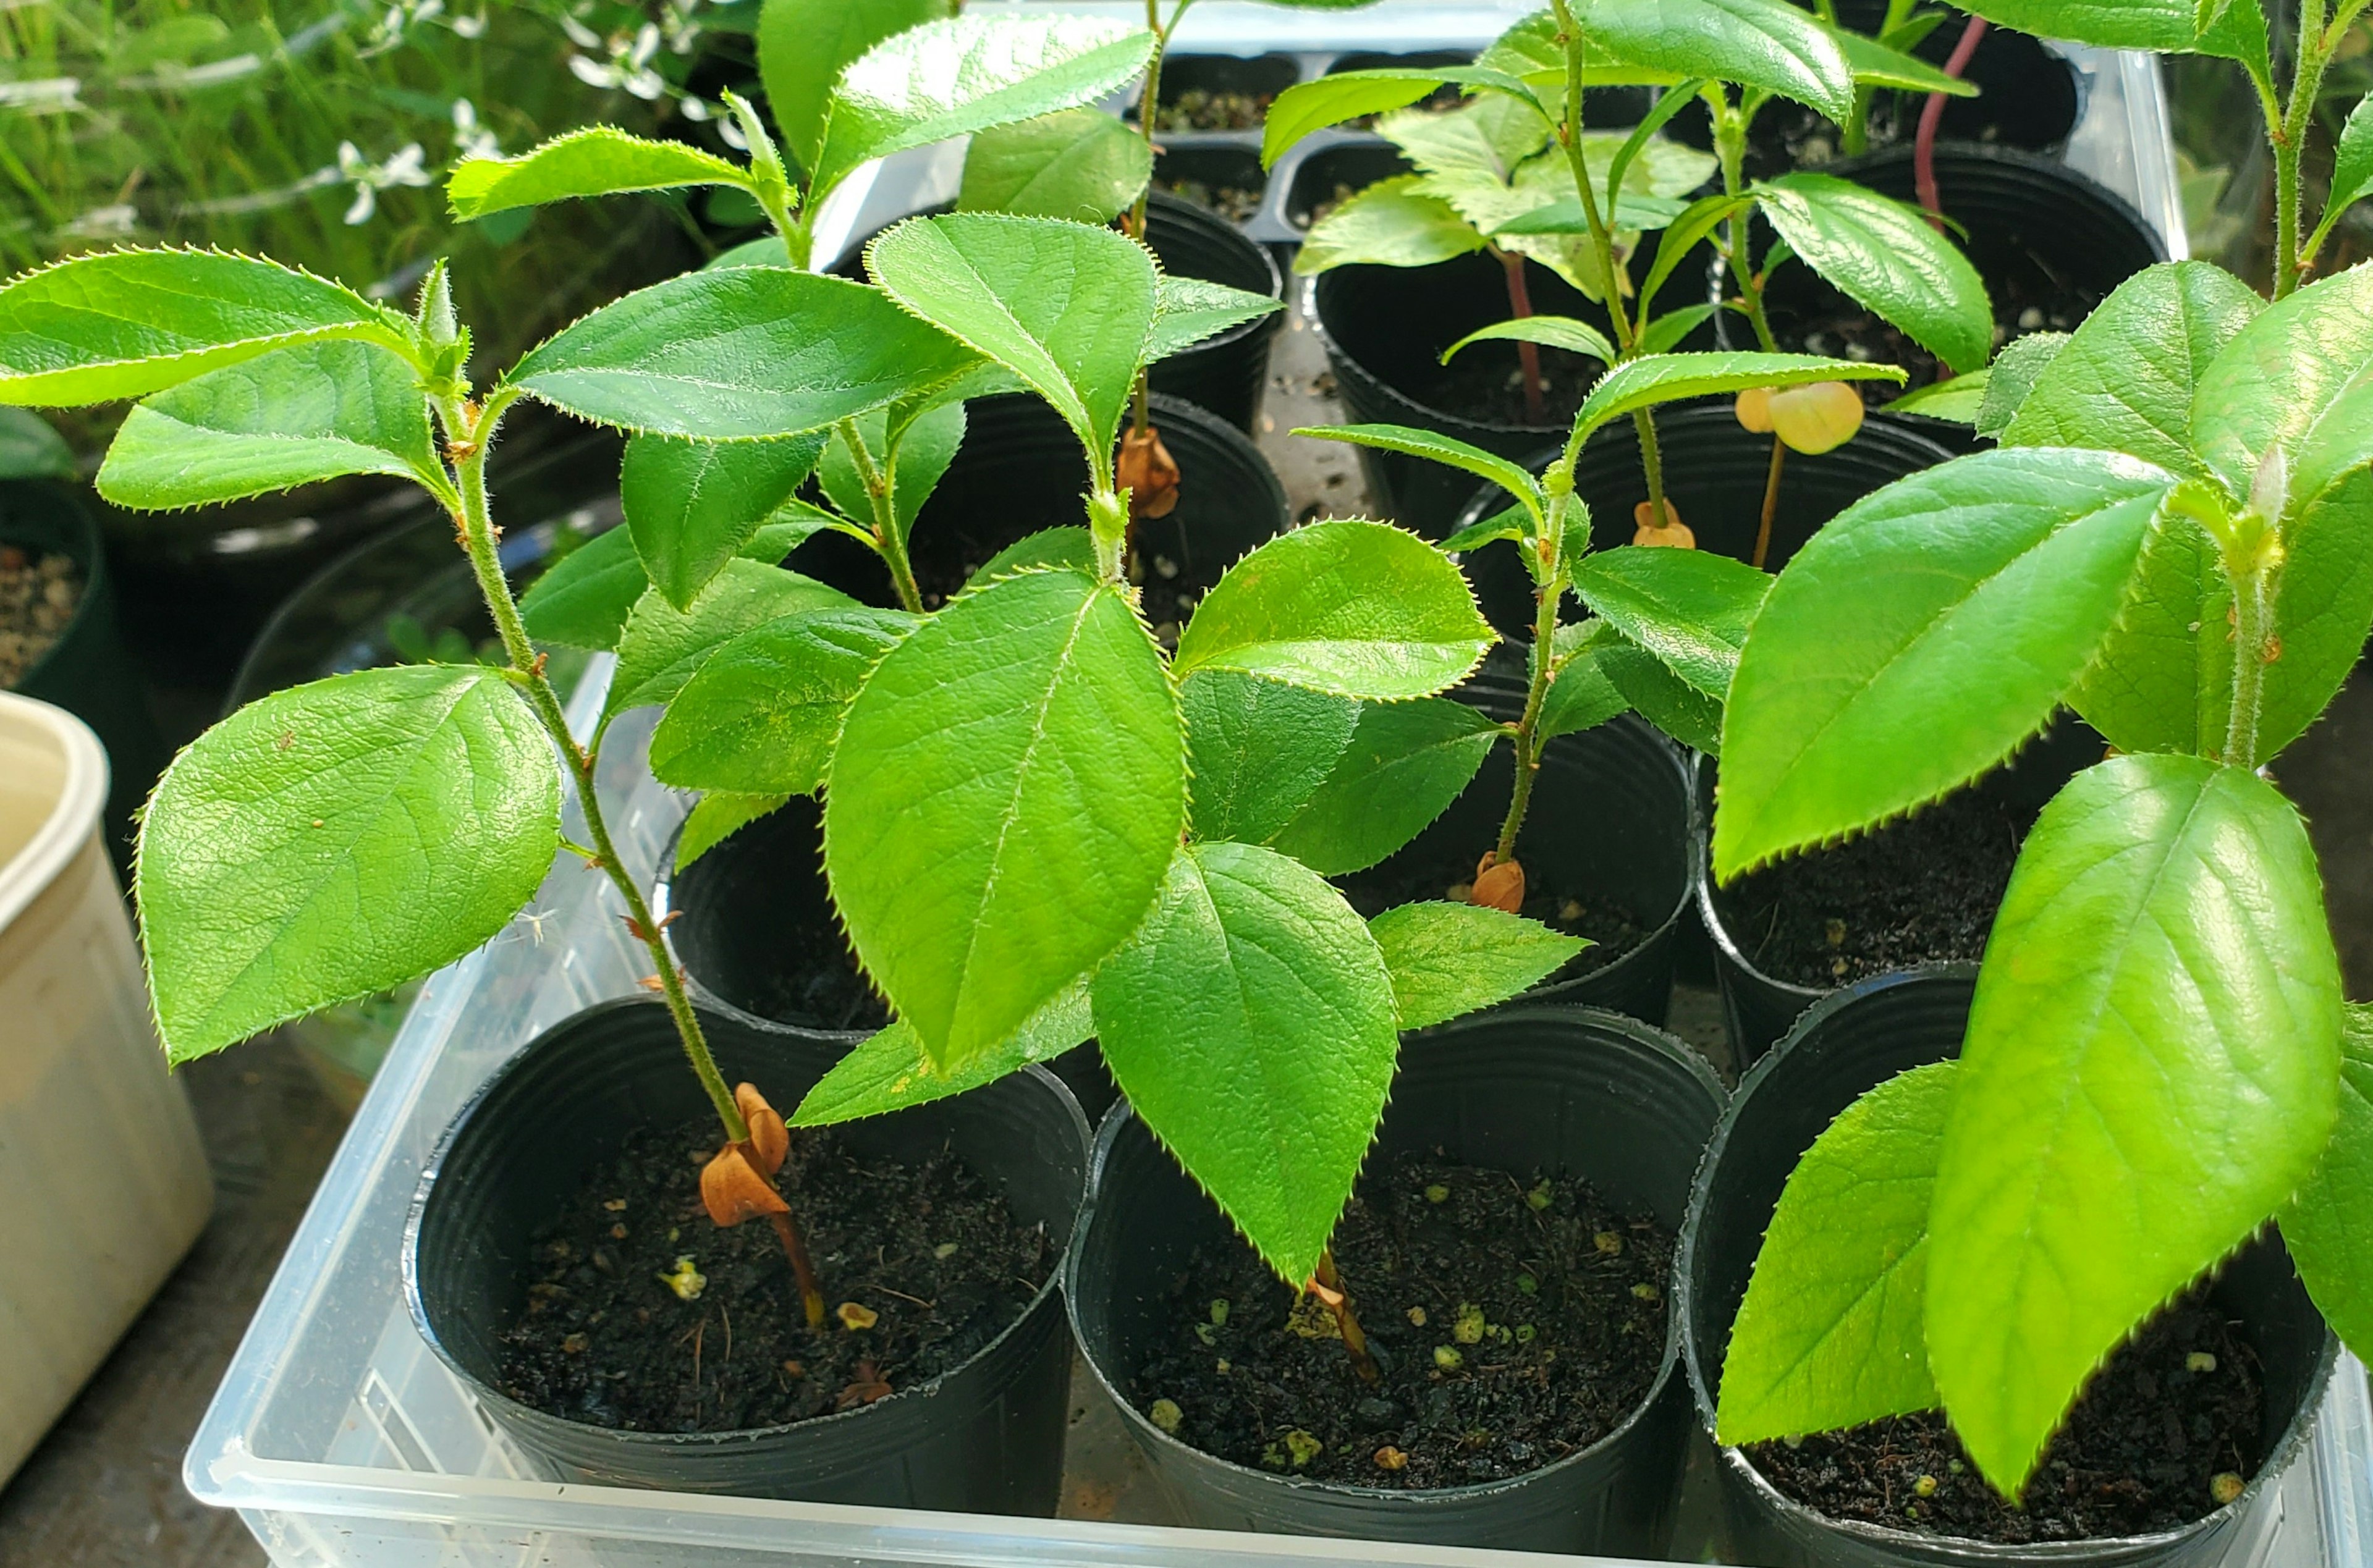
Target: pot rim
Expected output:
[87,550]
[71,821]
[486,1394]
[1123,1114]
[2278,1460]
[1444,419]
[1701,887]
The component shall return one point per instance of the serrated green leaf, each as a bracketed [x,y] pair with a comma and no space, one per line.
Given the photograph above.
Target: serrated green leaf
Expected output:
[660,646]
[2004,386]
[2151,1069]
[1761,43]
[890,1070]
[1688,608]
[2164,25]
[1082,165]
[1669,377]
[1357,609]
[693,505]
[804,46]
[1666,332]
[598,161]
[1884,256]
[1829,1334]
[1582,697]
[1532,51]
[384,822]
[748,353]
[966,74]
[928,443]
[1509,523]
[1003,803]
[1960,401]
[1690,228]
[1651,689]
[1556,331]
[761,714]
[292,417]
[584,599]
[1339,96]
[1067,307]
[1250,1022]
[1070,546]
[1402,767]
[1513,478]
[2329,1225]
[2124,382]
[30,448]
[1449,960]
[717,817]
[1187,310]
[2352,165]
[1389,224]
[1920,637]
[1881,62]
[125,323]
[1257,749]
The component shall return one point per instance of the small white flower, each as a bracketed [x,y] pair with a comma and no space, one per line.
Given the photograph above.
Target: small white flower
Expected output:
[578,33]
[408,167]
[472,139]
[469,27]
[729,131]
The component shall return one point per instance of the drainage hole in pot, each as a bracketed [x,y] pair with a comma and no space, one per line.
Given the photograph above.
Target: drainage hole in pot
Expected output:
[2169,1430]
[923,1263]
[1516,1320]
[37,596]
[1921,889]
[1612,928]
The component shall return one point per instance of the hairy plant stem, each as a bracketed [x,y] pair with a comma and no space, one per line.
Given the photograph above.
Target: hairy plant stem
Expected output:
[1149,106]
[1528,355]
[1730,147]
[2253,643]
[2289,136]
[886,540]
[1339,1302]
[1542,669]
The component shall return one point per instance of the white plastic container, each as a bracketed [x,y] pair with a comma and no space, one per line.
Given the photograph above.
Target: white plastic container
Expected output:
[105,1183]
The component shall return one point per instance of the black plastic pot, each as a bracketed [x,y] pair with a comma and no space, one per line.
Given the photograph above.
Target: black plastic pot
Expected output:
[1759,1008]
[1609,814]
[736,909]
[1227,373]
[1201,174]
[1848,1044]
[1021,469]
[1384,329]
[87,671]
[1715,471]
[986,1438]
[1330,174]
[1558,1089]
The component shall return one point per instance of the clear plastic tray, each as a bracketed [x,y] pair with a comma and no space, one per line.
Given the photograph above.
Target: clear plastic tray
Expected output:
[343,1442]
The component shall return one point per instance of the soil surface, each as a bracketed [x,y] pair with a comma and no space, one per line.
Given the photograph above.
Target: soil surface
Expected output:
[37,598]
[1611,927]
[1237,203]
[1516,1320]
[1199,108]
[1919,890]
[819,986]
[922,1263]
[1486,383]
[2169,1429]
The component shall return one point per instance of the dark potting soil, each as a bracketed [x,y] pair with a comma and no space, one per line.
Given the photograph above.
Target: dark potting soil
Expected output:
[1237,203]
[927,1250]
[2170,1429]
[1486,385]
[38,599]
[1918,891]
[819,986]
[1516,1318]
[1199,108]
[1611,927]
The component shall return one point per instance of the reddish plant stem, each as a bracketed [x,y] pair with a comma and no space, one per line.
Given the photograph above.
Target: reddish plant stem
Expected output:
[795,1249]
[1328,1285]
[1770,503]
[1520,306]
[1932,115]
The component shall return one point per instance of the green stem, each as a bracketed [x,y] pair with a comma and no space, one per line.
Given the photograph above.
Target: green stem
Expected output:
[2289,137]
[1541,661]
[1148,108]
[886,540]
[1652,465]
[2253,625]
[1569,134]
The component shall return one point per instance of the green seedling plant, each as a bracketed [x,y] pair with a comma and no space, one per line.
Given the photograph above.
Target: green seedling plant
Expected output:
[2175,539]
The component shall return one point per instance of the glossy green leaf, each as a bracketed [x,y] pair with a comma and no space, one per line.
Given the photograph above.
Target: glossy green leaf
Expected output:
[1071,546]
[1582,697]
[1829,1334]
[1649,687]
[1761,43]
[30,448]
[2164,25]
[660,646]
[2151,1069]
[1255,751]
[1403,766]
[598,161]
[1689,228]
[1003,804]
[1920,637]
[1689,607]
[292,417]
[717,817]
[1877,65]
[2352,165]
[1513,478]
[804,46]
[1250,1022]
[748,353]
[125,323]
[1555,331]
[1508,524]
[2004,386]
[890,1070]
[761,714]
[693,505]
[1358,609]
[583,599]
[1081,164]
[1187,310]
[1958,400]
[2329,1225]
[1450,959]
[1339,96]
[966,74]
[1389,224]
[385,822]
[1067,307]
[2125,381]
[1884,256]
[926,445]
[1669,377]
[1666,332]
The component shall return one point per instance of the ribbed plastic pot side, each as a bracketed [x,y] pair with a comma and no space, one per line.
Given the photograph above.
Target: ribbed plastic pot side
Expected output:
[986,1437]
[1227,373]
[1847,1044]
[1560,1089]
